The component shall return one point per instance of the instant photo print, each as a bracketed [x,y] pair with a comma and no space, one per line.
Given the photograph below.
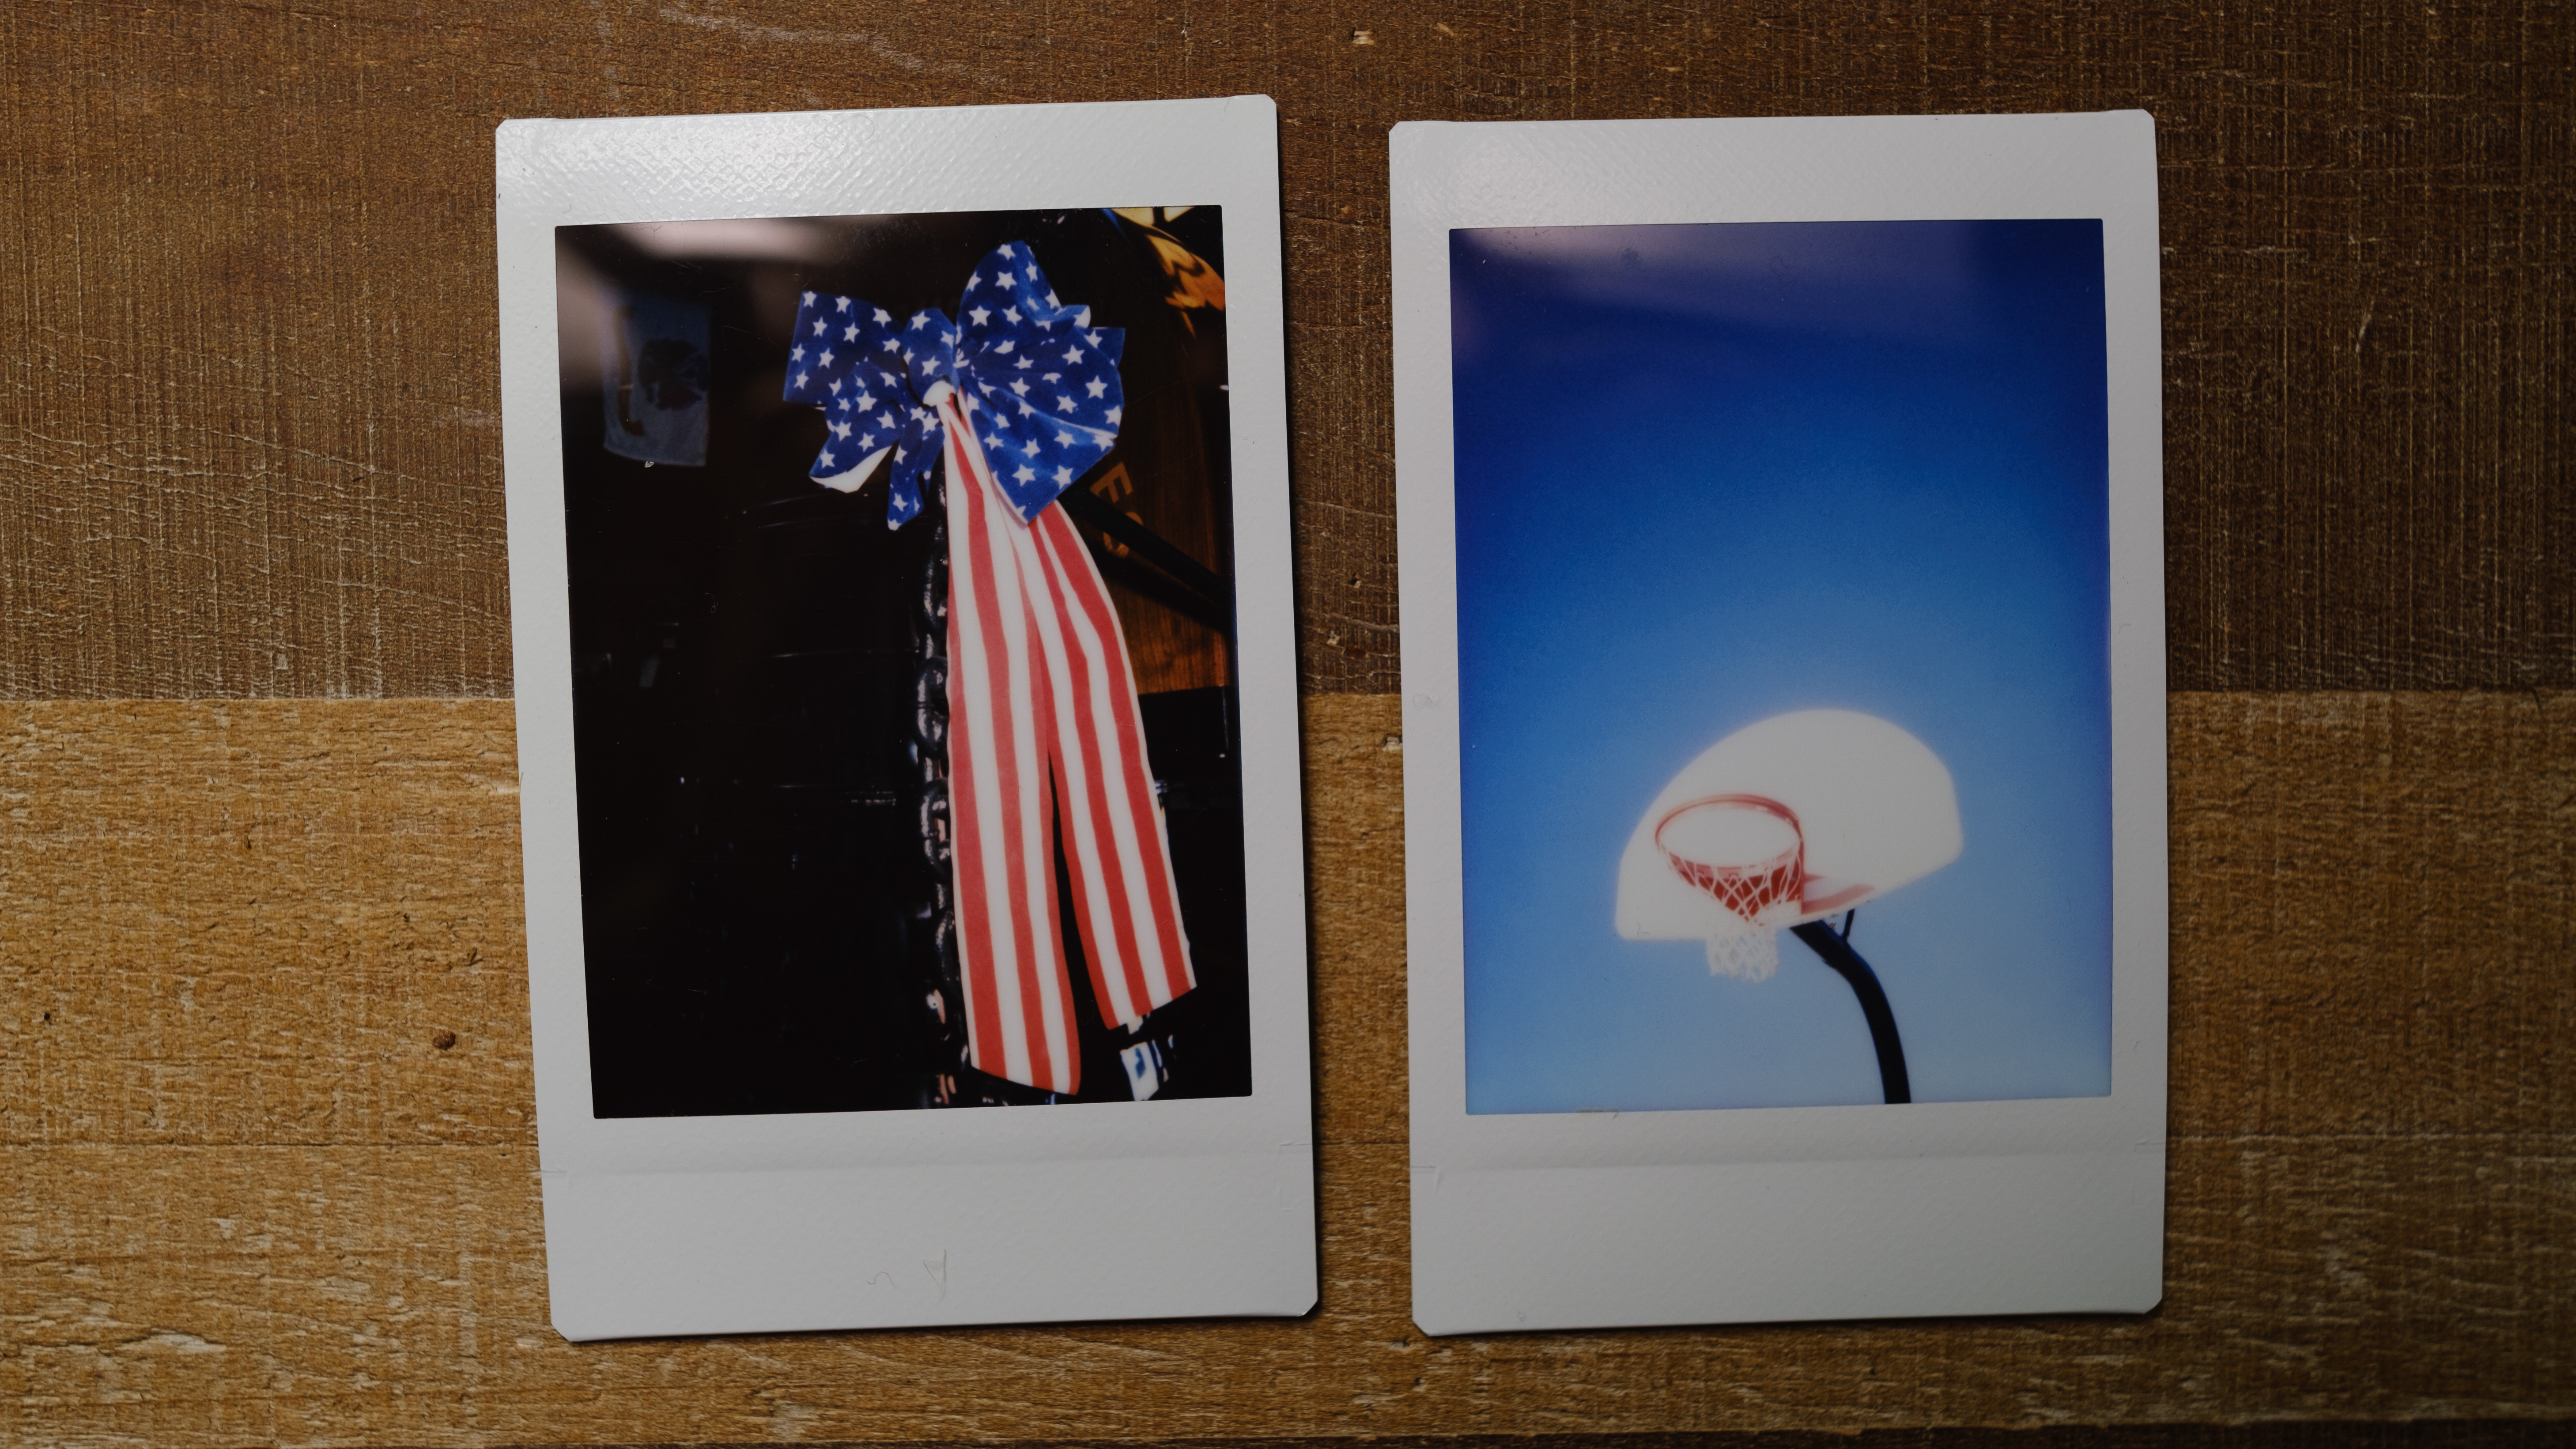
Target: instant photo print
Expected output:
[1779,508]
[906,699]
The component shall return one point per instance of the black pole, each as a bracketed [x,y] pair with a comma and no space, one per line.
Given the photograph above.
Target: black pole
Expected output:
[1838,954]
[1213,594]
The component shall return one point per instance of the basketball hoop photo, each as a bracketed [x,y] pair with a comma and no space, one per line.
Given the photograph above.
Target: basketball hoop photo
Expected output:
[1778,506]
[1828,633]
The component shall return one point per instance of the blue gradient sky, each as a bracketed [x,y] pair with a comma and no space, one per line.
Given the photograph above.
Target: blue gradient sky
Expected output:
[1709,474]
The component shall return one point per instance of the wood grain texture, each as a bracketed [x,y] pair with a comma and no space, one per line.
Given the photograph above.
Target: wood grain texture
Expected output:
[248,412]
[246,1199]
[187,1295]
[266,1151]
[2266,1434]
[248,923]
[2372,913]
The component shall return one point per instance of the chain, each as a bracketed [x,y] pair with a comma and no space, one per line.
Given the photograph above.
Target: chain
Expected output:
[946,999]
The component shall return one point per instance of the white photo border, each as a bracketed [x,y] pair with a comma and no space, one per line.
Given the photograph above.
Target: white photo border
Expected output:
[874,1219]
[1768,1214]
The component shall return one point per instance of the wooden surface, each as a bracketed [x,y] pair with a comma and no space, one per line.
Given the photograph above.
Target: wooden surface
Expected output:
[266,1165]
[252,1199]
[248,410]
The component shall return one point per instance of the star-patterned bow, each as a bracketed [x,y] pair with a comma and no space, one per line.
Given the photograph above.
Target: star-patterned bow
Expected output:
[1038,382]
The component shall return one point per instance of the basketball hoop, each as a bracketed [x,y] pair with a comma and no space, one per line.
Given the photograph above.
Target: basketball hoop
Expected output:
[1749,853]
[1777,826]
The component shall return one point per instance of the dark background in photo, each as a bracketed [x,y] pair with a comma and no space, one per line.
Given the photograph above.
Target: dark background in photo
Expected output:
[746,651]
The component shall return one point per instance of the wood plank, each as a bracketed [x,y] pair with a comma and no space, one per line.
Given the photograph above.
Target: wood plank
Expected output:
[250,922]
[249,433]
[185,1295]
[1355,906]
[247,1198]
[2372,912]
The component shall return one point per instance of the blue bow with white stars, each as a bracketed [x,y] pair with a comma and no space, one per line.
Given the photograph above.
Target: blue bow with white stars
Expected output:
[1036,380]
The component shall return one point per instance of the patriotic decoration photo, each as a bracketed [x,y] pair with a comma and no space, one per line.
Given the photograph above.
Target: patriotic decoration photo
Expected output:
[1008,403]
[907,752]
[904,687]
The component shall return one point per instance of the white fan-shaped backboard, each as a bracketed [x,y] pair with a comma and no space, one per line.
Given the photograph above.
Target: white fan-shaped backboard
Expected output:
[1874,804]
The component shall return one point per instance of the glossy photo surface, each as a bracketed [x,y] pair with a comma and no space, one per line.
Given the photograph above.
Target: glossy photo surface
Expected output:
[761,654]
[1709,476]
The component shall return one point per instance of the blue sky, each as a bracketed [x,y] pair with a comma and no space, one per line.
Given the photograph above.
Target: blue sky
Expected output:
[1710,474]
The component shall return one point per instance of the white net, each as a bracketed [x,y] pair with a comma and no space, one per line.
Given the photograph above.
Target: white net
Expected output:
[1743,850]
[1749,956]
[1748,854]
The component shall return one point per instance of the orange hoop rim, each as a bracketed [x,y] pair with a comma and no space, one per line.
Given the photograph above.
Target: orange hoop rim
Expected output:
[1763,803]
[1753,888]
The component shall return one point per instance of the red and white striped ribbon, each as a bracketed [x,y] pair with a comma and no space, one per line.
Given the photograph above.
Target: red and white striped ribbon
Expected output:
[1044,728]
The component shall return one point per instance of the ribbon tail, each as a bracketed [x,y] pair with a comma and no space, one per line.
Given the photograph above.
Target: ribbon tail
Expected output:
[1042,694]
[1019,1001]
[1125,901]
